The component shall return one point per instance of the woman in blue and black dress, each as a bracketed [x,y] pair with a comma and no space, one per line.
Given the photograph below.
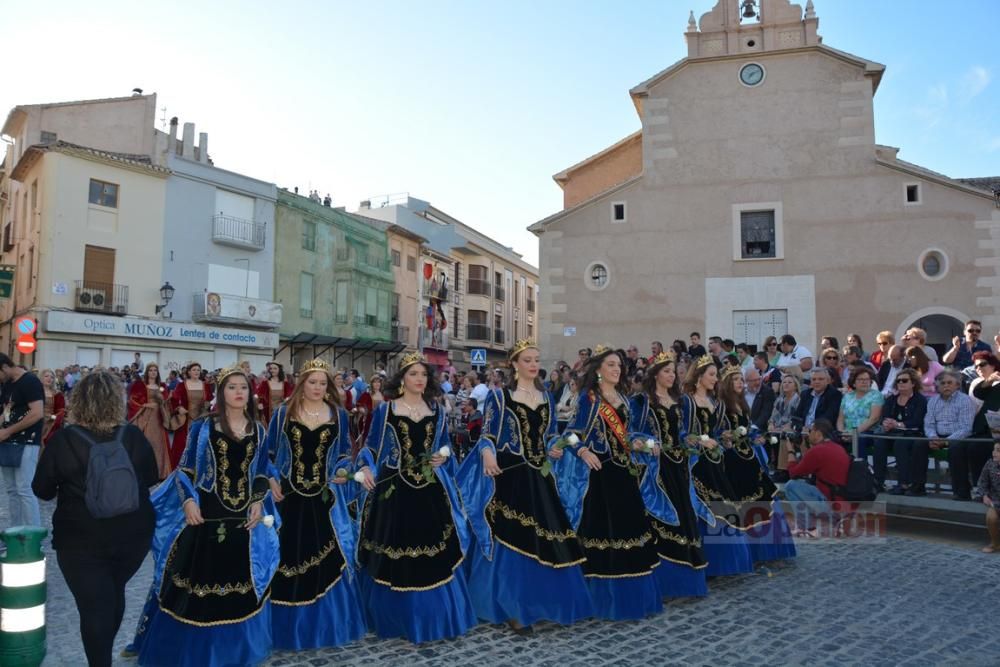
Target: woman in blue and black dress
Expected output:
[656,413]
[599,487]
[723,540]
[526,566]
[414,532]
[215,548]
[314,596]
[767,531]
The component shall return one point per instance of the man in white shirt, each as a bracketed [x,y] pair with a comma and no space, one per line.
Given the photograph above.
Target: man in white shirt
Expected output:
[793,354]
[895,362]
[480,390]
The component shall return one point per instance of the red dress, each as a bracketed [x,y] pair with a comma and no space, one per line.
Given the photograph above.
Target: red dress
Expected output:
[265,401]
[152,421]
[54,413]
[196,407]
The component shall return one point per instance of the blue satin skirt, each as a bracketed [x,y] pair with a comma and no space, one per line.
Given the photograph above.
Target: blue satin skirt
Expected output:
[625,598]
[773,540]
[726,549]
[677,580]
[514,586]
[442,612]
[334,619]
[171,643]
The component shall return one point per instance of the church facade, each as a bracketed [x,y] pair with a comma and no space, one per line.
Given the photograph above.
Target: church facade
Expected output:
[755,201]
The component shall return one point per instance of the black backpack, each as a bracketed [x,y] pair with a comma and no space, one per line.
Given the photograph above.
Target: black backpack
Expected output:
[860,485]
[112,485]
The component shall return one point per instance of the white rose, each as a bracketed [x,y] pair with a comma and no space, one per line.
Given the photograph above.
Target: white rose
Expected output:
[359,477]
[268,520]
[774,440]
[742,430]
[572,439]
[650,443]
[704,437]
[444,451]
[342,472]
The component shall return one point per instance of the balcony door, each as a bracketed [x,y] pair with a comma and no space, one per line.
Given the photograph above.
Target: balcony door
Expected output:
[98,267]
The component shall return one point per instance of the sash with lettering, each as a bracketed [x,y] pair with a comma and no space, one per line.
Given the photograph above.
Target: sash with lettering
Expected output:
[614,422]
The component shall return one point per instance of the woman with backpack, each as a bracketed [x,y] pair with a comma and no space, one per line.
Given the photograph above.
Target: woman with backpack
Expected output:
[98,546]
[216,545]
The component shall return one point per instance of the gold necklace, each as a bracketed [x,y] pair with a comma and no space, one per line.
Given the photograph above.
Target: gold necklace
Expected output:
[534,396]
[414,411]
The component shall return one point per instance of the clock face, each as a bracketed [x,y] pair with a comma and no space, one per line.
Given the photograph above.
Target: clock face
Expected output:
[751,74]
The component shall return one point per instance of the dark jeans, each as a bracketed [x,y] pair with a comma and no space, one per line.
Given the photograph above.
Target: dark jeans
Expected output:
[97,579]
[911,461]
[966,461]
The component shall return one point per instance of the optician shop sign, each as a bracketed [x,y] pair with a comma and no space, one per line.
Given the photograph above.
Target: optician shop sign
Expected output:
[156,330]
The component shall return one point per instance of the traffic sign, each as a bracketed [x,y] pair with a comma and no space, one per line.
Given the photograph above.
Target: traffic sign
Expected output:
[26,325]
[26,344]
[478,356]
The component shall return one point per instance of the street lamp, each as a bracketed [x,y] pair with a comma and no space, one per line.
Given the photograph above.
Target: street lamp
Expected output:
[166,294]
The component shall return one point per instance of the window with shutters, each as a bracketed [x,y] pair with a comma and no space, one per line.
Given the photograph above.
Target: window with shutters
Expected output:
[306,295]
[757,231]
[341,305]
[396,258]
[103,193]
[308,235]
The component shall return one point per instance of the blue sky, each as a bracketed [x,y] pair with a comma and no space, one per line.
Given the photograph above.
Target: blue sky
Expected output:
[470,105]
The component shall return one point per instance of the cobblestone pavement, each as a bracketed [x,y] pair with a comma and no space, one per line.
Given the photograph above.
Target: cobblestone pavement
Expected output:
[898,601]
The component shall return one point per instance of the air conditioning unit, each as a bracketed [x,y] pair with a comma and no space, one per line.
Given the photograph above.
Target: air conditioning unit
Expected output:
[89,297]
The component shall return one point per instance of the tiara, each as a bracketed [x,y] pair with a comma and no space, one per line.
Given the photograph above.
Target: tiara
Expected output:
[412,358]
[664,357]
[705,360]
[520,346]
[601,349]
[314,365]
[732,370]
[226,372]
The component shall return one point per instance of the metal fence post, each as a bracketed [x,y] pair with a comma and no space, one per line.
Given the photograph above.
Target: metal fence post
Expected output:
[22,597]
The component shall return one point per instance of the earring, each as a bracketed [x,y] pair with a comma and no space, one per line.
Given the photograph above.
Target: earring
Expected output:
[515,375]
[599,378]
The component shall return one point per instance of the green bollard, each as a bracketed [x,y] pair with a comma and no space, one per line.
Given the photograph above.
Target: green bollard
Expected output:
[22,597]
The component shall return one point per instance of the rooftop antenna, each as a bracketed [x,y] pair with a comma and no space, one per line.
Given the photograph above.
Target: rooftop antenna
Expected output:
[163,118]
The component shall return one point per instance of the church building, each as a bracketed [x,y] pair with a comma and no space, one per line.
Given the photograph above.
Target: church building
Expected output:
[755,200]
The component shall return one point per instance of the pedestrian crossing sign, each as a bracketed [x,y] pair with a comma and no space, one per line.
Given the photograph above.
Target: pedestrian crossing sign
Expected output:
[478,356]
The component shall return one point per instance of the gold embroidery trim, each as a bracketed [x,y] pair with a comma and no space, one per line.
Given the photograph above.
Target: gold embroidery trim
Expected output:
[526,521]
[412,552]
[239,501]
[674,537]
[634,543]
[214,589]
[302,484]
[533,450]
[305,566]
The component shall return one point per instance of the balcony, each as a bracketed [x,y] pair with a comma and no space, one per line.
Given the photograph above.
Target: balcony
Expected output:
[477,332]
[498,336]
[401,335]
[476,286]
[354,260]
[238,232]
[499,291]
[231,309]
[368,321]
[437,339]
[95,297]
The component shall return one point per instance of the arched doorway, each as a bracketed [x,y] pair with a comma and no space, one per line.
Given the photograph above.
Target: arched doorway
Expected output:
[941,325]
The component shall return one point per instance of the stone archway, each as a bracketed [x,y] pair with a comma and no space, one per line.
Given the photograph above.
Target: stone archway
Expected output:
[941,325]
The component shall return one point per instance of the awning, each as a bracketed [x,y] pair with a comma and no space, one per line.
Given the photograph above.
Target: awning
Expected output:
[300,342]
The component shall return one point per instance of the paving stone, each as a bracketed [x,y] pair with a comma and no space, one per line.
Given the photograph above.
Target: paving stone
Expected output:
[841,603]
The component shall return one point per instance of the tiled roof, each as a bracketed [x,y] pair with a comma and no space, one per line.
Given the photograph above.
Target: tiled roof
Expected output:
[32,154]
[988,183]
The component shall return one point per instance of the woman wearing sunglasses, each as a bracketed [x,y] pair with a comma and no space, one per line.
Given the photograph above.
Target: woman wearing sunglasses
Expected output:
[903,414]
